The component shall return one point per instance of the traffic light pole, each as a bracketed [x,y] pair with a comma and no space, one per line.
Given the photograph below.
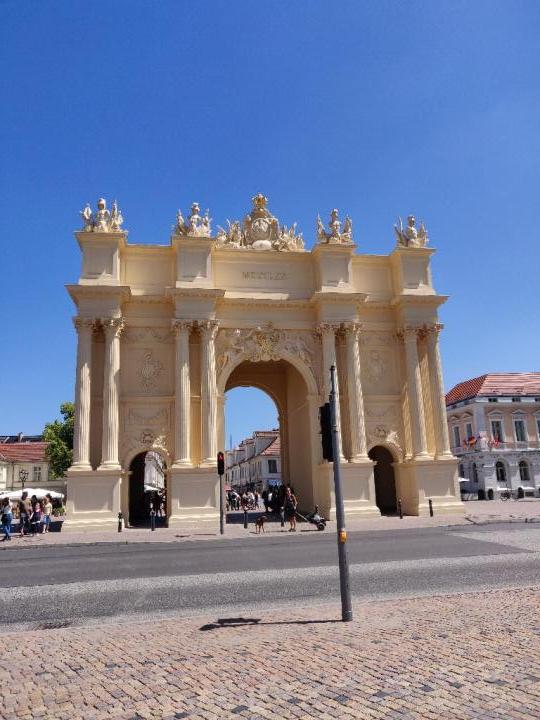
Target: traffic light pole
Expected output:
[345,588]
[221,508]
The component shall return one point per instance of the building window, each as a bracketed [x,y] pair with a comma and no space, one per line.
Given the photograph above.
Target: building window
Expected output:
[496,430]
[537,399]
[524,473]
[461,471]
[538,426]
[501,473]
[519,429]
[474,473]
[469,431]
[37,473]
[516,399]
[457,438]
[272,466]
[493,399]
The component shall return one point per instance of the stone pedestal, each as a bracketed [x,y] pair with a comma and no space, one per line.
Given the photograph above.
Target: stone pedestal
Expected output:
[93,500]
[194,498]
[357,486]
[417,482]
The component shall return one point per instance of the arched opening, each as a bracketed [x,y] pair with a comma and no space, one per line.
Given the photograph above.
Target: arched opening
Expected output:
[385,481]
[147,490]
[282,405]
[500,471]
[524,474]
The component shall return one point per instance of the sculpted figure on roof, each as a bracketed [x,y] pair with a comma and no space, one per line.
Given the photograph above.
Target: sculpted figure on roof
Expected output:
[410,236]
[195,226]
[335,235]
[102,220]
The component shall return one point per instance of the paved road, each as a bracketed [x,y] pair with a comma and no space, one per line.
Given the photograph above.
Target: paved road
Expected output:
[72,584]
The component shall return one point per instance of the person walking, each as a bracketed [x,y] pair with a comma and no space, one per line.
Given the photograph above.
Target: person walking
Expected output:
[7,517]
[290,508]
[35,518]
[47,512]
[25,510]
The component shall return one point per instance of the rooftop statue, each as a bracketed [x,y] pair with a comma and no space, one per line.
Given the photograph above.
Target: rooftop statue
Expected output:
[410,236]
[102,220]
[260,230]
[335,235]
[196,226]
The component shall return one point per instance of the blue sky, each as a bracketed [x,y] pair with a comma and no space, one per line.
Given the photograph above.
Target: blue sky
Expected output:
[378,108]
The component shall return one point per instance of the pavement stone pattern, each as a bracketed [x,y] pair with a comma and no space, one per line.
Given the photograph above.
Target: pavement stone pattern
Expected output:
[476,512]
[462,657]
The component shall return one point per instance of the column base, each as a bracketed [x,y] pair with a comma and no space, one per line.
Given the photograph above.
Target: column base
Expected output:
[182,464]
[93,500]
[80,467]
[109,467]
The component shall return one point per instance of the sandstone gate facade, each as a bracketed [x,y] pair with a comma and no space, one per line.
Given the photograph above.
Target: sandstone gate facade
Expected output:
[165,331]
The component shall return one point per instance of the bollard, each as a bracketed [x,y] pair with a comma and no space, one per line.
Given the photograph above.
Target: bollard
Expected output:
[119,522]
[282,516]
[245,519]
[400,510]
[430,507]
[152,519]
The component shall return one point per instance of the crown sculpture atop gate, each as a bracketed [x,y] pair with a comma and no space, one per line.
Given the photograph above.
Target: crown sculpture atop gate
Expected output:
[102,220]
[336,235]
[410,236]
[195,226]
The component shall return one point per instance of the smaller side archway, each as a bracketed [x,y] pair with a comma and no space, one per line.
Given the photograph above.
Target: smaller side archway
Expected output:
[147,489]
[385,481]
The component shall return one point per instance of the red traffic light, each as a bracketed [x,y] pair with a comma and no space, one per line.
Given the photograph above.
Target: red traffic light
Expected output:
[220,463]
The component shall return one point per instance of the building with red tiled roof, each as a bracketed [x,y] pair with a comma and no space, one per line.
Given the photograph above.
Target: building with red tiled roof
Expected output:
[22,463]
[256,462]
[494,426]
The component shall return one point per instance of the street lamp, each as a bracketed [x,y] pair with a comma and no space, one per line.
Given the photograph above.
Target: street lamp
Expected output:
[23,476]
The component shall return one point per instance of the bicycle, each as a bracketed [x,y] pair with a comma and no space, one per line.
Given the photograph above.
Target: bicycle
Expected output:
[505,495]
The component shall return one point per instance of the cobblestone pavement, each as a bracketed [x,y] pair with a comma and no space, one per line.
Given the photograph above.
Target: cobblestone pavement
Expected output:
[480,513]
[473,656]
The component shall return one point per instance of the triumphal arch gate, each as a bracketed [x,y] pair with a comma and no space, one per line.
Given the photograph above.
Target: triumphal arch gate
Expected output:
[165,330]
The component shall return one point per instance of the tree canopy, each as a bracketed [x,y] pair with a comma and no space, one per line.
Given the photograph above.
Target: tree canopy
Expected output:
[59,435]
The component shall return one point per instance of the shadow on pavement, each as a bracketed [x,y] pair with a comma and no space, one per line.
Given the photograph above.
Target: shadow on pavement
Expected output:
[222,623]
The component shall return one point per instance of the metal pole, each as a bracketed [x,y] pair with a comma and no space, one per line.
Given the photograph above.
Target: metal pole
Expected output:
[245,519]
[400,509]
[344,584]
[221,508]
[120,522]
[430,507]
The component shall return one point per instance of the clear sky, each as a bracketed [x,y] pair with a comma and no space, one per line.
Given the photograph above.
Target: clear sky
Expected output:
[379,108]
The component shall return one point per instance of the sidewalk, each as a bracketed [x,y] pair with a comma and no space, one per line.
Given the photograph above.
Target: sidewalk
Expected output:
[476,512]
[464,657]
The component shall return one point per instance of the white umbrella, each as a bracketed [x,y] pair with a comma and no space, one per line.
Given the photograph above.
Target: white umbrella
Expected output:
[38,492]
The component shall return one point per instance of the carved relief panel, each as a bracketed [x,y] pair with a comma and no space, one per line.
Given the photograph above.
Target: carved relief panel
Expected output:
[384,426]
[145,426]
[378,355]
[147,362]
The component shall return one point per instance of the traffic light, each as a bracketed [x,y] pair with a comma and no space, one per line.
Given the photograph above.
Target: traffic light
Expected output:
[220,463]
[326,431]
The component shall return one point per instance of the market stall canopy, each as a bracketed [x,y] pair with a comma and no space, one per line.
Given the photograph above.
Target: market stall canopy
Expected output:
[38,492]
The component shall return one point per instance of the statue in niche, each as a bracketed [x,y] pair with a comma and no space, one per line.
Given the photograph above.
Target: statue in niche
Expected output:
[410,236]
[335,234]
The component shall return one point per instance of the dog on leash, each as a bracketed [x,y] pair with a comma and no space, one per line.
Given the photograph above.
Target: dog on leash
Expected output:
[259,524]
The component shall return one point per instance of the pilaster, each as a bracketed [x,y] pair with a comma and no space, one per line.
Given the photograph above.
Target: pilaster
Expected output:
[357,423]
[208,330]
[81,434]
[327,331]
[414,391]
[442,441]
[182,404]
[112,328]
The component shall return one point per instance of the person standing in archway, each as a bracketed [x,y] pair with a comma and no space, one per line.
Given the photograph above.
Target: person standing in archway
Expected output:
[290,508]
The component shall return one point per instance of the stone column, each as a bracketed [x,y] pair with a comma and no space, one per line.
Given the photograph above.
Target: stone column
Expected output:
[208,330]
[442,441]
[81,430]
[354,388]
[182,395]
[112,327]
[327,332]
[414,390]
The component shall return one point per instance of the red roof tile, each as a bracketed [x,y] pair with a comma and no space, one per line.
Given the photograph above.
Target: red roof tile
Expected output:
[274,448]
[23,452]
[496,384]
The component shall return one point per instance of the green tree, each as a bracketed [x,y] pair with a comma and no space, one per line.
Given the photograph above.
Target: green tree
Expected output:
[59,435]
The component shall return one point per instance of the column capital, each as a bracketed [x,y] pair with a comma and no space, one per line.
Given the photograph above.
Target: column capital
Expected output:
[84,323]
[327,328]
[180,326]
[113,326]
[208,328]
[431,330]
[408,333]
[351,329]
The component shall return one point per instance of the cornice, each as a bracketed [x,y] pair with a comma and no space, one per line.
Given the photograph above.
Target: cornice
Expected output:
[413,251]
[195,292]
[78,292]
[332,296]
[416,299]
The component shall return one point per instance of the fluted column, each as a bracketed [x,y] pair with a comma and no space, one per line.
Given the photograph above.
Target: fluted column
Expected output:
[81,430]
[357,423]
[414,390]
[112,327]
[442,441]
[327,332]
[208,330]
[182,395]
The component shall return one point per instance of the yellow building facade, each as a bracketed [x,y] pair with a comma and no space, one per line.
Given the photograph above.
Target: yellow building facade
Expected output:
[165,331]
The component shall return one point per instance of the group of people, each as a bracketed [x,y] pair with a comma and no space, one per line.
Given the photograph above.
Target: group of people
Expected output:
[276,499]
[34,515]
[248,500]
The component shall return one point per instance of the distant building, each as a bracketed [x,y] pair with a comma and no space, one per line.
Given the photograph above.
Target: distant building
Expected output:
[23,463]
[256,463]
[494,426]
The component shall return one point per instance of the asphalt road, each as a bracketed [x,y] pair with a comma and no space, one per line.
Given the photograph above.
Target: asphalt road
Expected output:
[66,585]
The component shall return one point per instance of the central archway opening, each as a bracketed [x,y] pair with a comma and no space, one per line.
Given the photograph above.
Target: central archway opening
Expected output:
[385,481]
[147,490]
[268,397]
